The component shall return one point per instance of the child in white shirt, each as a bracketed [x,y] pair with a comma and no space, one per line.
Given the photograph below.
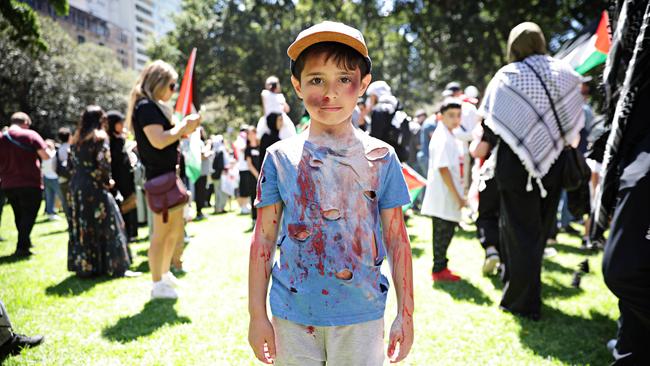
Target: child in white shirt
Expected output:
[444,197]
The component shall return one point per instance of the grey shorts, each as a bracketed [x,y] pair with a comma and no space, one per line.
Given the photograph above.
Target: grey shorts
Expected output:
[350,345]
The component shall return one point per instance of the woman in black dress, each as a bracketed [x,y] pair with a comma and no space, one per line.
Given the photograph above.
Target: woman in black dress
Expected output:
[98,243]
[122,172]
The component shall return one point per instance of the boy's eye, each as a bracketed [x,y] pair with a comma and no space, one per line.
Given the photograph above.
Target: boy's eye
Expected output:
[346,80]
[316,81]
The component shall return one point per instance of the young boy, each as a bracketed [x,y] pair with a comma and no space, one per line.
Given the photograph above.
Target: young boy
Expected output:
[444,197]
[334,195]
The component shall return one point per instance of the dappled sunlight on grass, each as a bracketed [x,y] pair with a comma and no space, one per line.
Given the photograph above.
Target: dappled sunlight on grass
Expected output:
[112,321]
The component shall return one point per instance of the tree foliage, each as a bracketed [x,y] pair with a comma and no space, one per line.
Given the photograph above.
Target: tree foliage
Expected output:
[417,46]
[20,23]
[55,85]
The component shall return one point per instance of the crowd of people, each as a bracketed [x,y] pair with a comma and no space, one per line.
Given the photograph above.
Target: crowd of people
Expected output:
[499,159]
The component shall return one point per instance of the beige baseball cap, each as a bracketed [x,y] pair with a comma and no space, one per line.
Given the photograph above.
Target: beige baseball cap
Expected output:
[328,31]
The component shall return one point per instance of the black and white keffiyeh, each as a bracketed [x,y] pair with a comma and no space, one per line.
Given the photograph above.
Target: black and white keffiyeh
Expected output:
[518,110]
[625,75]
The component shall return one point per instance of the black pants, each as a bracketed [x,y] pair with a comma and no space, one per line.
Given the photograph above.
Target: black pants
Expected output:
[487,223]
[253,208]
[524,224]
[25,203]
[626,263]
[131,223]
[3,199]
[443,232]
[201,193]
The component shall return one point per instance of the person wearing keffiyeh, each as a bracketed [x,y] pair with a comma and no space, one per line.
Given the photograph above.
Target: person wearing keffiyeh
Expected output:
[528,157]
[624,194]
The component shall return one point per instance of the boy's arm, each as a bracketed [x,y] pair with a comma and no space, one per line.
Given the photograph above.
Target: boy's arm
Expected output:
[398,249]
[260,331]
[446,178]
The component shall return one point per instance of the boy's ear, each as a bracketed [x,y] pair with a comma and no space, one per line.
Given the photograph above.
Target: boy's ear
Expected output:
[365,81]
[296,86]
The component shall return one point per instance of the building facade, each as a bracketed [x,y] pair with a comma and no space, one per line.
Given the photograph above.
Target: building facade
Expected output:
[125,26]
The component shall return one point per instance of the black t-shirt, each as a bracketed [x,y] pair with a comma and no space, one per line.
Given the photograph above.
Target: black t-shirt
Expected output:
[254,154]
[156,161]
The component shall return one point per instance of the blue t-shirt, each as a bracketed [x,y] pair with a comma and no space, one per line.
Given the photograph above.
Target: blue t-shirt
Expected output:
[330,241]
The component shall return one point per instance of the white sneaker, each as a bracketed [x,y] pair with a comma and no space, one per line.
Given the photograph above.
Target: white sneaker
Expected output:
[53,217]
[550,252]
[162,290]
[171,280]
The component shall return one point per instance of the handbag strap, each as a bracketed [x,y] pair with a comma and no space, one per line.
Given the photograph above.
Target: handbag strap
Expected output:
[557,119]
[18,143]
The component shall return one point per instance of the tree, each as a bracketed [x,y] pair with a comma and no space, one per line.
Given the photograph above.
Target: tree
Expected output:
[466,40]
[55,85]
[417,46]
[21,23]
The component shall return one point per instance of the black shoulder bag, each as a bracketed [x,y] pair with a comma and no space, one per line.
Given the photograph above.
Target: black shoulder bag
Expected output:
[575,171]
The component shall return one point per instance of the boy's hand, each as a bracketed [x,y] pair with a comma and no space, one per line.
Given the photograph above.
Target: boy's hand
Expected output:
[401,332]
[462,202]
[262,339]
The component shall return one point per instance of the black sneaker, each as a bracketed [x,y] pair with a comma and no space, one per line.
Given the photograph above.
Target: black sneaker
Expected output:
[17,343]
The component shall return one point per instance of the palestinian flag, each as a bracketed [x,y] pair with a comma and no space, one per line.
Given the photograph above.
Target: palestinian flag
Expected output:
[184,106]
[415,183]
[589,48]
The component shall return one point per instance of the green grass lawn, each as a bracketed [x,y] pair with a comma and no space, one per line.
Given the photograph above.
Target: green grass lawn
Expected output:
[112,322]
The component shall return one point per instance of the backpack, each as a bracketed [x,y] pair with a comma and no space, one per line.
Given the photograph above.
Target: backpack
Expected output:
[62,167]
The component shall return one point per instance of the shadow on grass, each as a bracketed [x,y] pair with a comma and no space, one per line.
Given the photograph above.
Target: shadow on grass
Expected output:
[417,252]
[464,291]
[142,267]
[465,234]
[8,259]
[55,232]
[569,338]
[154,315]
[565,248]
[549,265]
[74,285]
[558,290]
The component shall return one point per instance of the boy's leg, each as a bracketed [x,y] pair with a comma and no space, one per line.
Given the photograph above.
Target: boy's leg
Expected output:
[343,344]
[443,232]
[299,345]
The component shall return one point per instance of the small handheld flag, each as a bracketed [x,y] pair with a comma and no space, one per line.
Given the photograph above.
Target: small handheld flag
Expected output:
[184,107]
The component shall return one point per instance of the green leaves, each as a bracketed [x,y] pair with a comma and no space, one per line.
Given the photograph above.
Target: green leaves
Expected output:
[55,85]
[21,23]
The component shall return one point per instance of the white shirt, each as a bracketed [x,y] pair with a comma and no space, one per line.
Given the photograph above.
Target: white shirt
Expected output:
[468,121]
[48,167]
[240,145]
[273,102]
[444,151]
[287,130]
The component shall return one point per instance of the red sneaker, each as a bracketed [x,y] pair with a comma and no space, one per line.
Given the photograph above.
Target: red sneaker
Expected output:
[444,276]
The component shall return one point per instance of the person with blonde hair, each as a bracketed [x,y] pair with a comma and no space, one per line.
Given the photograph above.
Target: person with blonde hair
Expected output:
[158,138]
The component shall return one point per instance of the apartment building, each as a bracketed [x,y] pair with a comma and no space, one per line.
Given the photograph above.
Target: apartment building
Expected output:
[125,26]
